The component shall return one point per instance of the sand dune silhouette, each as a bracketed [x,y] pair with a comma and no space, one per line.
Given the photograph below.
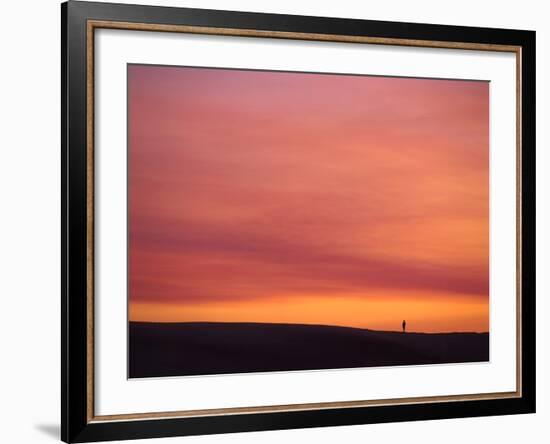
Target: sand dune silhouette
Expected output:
[180,349]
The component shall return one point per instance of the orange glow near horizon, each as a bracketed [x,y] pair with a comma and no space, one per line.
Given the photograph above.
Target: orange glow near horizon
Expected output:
[260,196]
[423,315]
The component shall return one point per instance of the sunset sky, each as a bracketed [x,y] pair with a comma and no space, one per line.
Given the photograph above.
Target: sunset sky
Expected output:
[260,196]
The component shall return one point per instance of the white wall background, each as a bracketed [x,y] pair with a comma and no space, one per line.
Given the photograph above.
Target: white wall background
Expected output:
[30,208]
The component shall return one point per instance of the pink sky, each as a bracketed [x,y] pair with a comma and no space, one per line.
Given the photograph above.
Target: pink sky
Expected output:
[293,197]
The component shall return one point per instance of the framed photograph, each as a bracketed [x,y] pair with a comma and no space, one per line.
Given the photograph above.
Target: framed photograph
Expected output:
[275,221]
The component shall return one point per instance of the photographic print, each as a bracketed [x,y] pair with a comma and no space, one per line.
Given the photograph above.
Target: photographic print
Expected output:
[282,221]
[277,222]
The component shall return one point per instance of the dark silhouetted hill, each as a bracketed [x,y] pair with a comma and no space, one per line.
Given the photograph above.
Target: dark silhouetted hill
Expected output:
[180,349]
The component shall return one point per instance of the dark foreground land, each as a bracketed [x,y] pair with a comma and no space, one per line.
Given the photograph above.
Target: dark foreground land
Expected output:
[180,349]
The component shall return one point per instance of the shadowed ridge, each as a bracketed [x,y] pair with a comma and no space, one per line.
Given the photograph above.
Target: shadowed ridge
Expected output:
[201,348]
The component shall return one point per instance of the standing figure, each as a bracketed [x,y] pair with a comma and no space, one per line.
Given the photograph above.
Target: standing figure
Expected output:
[404,325]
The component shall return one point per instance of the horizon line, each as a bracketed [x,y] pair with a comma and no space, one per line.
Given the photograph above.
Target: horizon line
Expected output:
[309,325]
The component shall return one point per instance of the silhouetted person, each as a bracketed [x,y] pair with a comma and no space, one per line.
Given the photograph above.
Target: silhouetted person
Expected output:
[404,325]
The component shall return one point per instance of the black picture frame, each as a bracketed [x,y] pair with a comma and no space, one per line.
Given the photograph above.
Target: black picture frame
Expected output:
[76,423]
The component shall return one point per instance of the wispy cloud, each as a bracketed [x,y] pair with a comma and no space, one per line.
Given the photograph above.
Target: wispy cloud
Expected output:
[247,185]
